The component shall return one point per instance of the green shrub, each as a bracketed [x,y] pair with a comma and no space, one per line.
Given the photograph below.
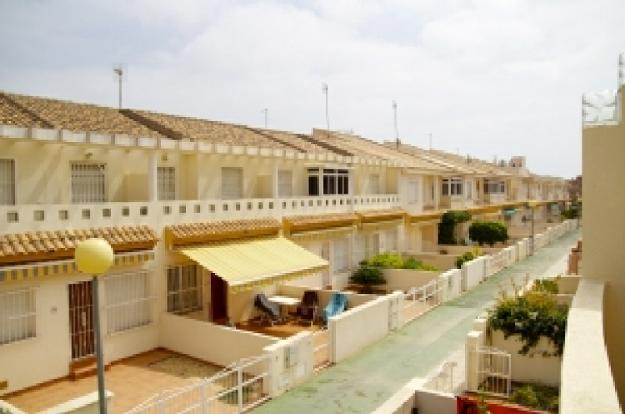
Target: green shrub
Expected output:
[537,396]
[530,316]
[571,213]
[367,276]
[466,257]
[546,285]
[488,232]
[448,224]
[395,261]
[386,261]
[414,264]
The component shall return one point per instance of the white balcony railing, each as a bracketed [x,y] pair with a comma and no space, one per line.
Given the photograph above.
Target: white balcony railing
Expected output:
[32,217]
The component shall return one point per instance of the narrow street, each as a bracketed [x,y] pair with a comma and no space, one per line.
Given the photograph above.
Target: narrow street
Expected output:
[364,381]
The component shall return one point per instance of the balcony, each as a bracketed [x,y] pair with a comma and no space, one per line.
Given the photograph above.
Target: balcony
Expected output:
[587,383]
[29,217]
[454,202]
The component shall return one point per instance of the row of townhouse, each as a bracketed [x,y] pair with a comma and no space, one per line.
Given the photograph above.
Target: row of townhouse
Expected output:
[202,216]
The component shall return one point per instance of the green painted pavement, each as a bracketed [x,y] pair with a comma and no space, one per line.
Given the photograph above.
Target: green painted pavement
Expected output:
[364,381]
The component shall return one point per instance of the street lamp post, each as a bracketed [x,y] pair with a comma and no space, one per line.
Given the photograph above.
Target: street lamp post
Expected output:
[95,257]
[532,205]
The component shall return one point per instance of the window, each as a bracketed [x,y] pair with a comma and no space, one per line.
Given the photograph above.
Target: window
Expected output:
[372,245]
[494,187]
[184,292]
[166,183]
[374,184]
[340,264]
[285,183]
[313,181]
[7,182]
[88,182]
[17,315]
[231,183]
[391,240]
[452,186]
[333,181]
[128,300]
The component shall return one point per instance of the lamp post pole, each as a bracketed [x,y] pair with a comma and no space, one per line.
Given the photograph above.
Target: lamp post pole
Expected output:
[98,345]
[532,232]
[95,256]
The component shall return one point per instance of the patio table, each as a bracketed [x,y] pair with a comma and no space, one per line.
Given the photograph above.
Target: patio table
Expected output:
[285,302]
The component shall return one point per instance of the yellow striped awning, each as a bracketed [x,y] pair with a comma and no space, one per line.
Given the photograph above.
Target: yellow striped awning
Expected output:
[246,264]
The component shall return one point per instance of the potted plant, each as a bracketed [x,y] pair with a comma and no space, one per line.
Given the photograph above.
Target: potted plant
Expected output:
[367,276]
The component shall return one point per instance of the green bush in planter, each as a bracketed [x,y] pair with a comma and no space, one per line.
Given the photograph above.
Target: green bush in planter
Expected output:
[531,316]
[387,261]
[414,264]
[488,232]
[466,257]
[368,276]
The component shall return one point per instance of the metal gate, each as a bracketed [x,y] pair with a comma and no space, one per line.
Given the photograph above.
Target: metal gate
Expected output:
[81,319]
[494,371]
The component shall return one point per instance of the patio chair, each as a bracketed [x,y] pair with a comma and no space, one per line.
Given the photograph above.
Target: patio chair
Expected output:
[269,311]
[307,310]
[336,305]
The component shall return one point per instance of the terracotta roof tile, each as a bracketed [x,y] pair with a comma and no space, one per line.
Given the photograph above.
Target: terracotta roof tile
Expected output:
[194,233]
[72,116]
[54,245]
[381,215]
[320,221]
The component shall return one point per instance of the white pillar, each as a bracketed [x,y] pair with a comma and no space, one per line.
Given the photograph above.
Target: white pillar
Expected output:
[152,176]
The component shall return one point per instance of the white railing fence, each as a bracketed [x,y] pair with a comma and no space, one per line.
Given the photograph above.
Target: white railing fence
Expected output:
[420,299]
[236,389]
[443,380]
[494,371]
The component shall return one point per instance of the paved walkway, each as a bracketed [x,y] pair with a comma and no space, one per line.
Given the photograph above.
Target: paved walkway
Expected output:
[364,381]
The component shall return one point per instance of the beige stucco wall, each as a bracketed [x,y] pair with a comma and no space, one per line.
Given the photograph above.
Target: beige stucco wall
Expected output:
[604,231]
[47,356]
[533,367]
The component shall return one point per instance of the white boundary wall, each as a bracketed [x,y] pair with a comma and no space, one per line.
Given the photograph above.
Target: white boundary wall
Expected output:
[358,327]
[473,272]
[210,342]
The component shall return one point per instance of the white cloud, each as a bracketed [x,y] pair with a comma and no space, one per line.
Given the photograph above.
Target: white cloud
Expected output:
[489,77]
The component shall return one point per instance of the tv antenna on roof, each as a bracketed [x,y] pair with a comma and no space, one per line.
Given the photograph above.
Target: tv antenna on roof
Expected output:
[266,113]
[395,123]
[324,89]
[119,71]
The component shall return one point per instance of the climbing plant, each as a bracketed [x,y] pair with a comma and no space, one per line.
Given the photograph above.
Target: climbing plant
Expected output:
[530,316]
[448,224]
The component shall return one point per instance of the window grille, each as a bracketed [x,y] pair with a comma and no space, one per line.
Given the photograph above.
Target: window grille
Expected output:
[128,300]
[17,315]
[340,263]
[184,291]
[231,183]
[166,183]
[7,182]
[88,182]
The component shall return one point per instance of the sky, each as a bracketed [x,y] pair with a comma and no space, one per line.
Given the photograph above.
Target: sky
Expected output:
[489,78]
